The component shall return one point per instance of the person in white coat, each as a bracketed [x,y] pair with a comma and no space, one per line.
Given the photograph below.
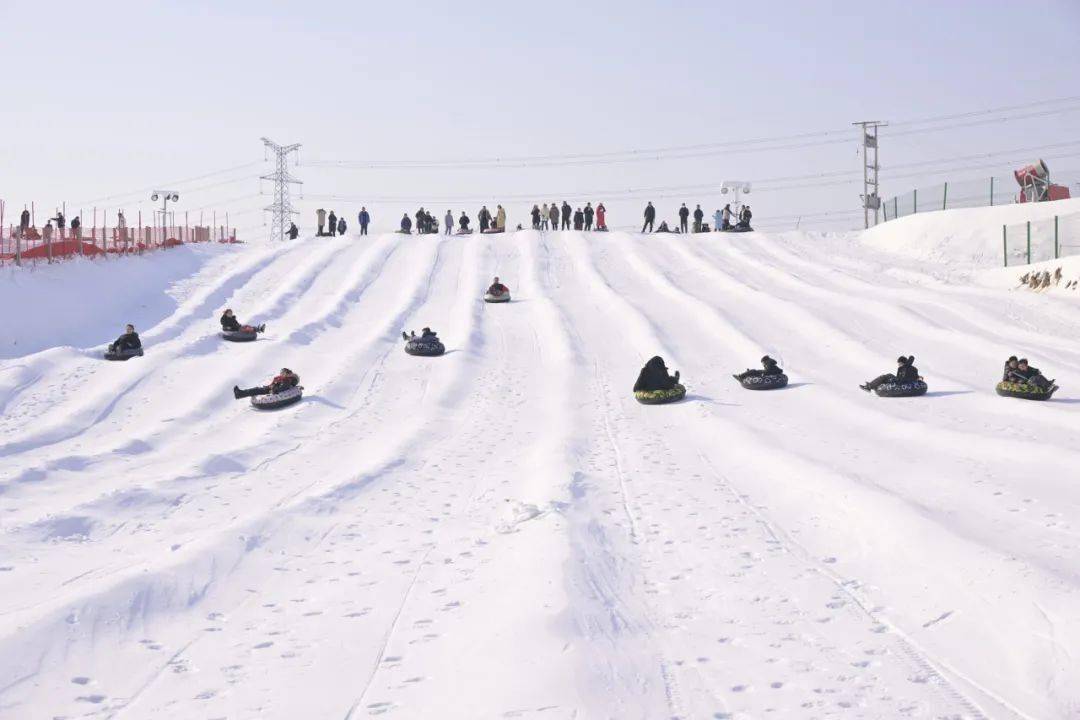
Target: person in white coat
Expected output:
[717,220]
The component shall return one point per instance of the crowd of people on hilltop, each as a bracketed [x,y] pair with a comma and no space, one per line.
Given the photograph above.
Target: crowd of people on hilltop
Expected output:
[546,216]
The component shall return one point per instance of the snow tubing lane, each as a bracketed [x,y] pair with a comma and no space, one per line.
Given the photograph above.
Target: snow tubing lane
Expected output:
[424,349]
[765,382]
[912,389]
[273,401]
[239,335]
[1022,391]
[660,397]
[122,355]
[489,298]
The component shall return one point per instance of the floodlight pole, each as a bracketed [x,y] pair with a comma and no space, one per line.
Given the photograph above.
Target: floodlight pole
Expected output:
[166,196]
[870,197]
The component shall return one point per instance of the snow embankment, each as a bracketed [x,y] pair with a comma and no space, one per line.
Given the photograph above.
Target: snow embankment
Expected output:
[964,237]
[85,302]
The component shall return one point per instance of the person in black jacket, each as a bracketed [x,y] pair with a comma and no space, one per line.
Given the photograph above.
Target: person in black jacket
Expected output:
[421,221]
[406,224]
[650,216]
[363,218]
[293,231]
[906,372]
[771,367]
[426,335]
[699,216]
[229,323]
[744,217]
[463,222]
[588,215]
[566,213]
[484,218]
[128,341]
[1027,375]
[282,381]
[654,376]
[332,220]
[535,217]
[579,219]
[1010,365]
[684,216]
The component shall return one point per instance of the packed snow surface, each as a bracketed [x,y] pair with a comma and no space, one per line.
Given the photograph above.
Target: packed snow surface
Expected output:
[503,532]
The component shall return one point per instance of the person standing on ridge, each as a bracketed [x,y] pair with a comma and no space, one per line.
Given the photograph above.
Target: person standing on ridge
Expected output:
[320,216]
[717,220]
[588,216]
[684,216]
[725,218]
[364,218]
[293,231]
[601,217]
[545,216]
[566,213]
[76,228]
[699,215]
[449,220]
[650,216]
[332,219]
[341,226]
[24,222]
[483,218]
[554,214]
[500,218]
[535,213]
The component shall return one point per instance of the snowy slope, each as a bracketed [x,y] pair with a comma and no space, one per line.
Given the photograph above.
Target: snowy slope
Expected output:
[505,532]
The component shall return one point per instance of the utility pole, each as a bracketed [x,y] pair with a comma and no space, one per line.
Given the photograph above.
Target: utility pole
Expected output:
[282,207]
[871,200]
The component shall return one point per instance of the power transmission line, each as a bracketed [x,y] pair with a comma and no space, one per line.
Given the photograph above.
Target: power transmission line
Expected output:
[281,208]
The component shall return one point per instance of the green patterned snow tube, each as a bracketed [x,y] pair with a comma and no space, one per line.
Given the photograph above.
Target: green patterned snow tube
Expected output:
[660,397]
[1022,391]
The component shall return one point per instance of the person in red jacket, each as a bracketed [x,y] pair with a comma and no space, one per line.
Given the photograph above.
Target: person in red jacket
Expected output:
[282,381]
[601,217]
[497,288]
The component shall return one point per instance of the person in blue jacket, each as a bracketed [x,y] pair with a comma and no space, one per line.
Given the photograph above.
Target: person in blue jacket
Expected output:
[364,218]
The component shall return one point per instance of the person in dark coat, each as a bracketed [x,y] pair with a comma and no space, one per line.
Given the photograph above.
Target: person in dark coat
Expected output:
[341,226]
[406,224]
[1010,365]
[60,222]
[566,213]
[497,288]
[553,215]
[282,381]
[535,213]
[1027,375]
[229,323]
[589,212]
[579,219]
[684,216]
[699,216]
[484,218]
[906,372]
[76,228]
[463,222]
[650,216]
[421,221]
[24,222]
[654,376]
[363,218]
[770,367]
[332,222]
[426,335]
[744,217]
[293,231]
[128,341]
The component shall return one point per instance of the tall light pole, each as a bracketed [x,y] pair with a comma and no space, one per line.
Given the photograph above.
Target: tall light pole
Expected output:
[870,198]
[165,196]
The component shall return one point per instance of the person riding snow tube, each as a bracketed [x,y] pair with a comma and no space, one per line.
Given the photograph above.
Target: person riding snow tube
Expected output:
[425,345]
[905,383]
[655,387]
[126,346]
[497,293]
[1025,382]
[284,389]
[232,330]
[770,378]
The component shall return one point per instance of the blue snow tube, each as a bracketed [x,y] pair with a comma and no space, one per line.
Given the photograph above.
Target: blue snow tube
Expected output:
[424,348]
[125,354]
[764,382]
[273,401]
[906,389]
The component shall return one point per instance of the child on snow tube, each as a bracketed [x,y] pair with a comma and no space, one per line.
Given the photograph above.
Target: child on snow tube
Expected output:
[1023,381]
[770,377]
[654,386]
[497,292]
[905,383]
[231,326]
[126,346]
[427,343]
[284,389]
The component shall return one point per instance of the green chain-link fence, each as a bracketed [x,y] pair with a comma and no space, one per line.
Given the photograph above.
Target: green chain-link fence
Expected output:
[965,193]
[1039,240]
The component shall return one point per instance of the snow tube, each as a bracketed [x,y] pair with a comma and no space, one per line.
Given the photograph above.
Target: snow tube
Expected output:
[123,354]
[273,401]
[660,397]
[764,382]
[504,297]
[737,229]
[239,335]
[493,231]
[908,389]
[424,348]
[1022,391]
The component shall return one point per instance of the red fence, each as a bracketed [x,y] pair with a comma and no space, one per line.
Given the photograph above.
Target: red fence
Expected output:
[32,245]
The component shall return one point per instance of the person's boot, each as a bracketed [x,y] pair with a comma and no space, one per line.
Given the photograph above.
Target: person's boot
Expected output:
[237,392]
[261,328]
[404,336]
[865,386]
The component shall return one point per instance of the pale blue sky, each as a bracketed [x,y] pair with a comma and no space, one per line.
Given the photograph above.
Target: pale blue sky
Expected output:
[109,98]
